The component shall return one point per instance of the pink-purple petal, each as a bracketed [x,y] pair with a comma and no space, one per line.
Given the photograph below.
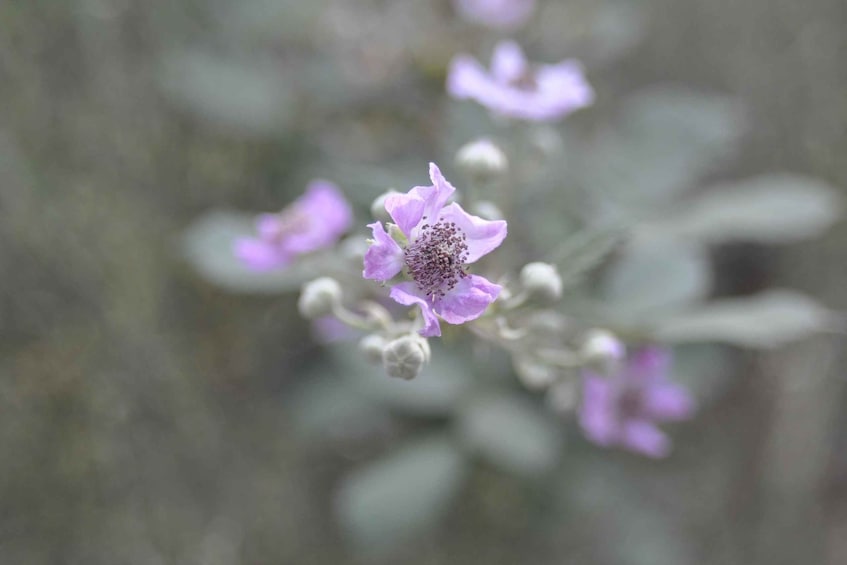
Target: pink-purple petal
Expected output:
[259,255]
[483,236]
[645,438]
[269,226]
[467,300]
[597,416]
[407,209]
[466,77]
[407,294]
[508,63]
[384,257]
[668,402]
[443,191]
[323,201]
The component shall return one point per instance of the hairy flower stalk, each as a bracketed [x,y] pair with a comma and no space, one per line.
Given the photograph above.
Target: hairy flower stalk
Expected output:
[439,242]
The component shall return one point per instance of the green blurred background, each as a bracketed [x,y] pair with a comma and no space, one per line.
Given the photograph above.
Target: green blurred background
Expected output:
[145,414]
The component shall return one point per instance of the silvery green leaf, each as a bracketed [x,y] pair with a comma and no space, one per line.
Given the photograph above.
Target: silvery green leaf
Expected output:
[434,392]
[207,246]
[247,96]
[584,251]
[774,208]
[401,495]
[655,277]
[512,433]
[666,139]
[768,319]
[705,369]
[327,406]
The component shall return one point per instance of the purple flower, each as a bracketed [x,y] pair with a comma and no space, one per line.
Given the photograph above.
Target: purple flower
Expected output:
[516,89]
[623,409]
[440,241]
[496,14]
[314,221]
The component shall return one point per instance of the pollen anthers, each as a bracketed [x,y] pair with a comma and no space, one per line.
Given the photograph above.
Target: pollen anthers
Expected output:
[437,257]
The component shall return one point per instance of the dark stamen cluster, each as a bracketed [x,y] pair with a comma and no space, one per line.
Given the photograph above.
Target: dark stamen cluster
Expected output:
[437,257]
[526,81]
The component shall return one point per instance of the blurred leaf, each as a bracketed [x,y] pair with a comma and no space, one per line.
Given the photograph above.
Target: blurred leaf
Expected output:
[271,19]
[769,319]
[247,96]
[326,406]
[705,369]
[401,495]
[667,138]
[584,251]
[774,208]
[434,392]
[656,276]
[207,245]
[512,433]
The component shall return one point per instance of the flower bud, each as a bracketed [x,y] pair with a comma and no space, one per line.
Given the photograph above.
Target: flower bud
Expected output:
[378,210]
[372,346]
[602,351]
[534,374]
[542,280]
[404,357]
[482,161]
[319,297]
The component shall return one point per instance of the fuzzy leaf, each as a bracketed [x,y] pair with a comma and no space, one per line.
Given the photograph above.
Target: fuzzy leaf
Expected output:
[584,251]
[667,138]
[656,277]
[391,500]
[774,208]
[766,320]
[511,433]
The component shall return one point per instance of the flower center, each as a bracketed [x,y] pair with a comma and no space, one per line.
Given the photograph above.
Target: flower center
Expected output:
[525,81]
[437,257]
[631,403]
[291,221]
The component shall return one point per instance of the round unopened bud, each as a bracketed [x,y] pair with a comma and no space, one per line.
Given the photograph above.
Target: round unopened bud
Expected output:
[534,374]
[482,161]
[372,346]
[487,210]
[404,357]
[319,297]
[378,210]
[602,351]
[542,280]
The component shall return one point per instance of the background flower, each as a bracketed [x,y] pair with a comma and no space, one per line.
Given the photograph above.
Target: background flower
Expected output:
[314,221]
[517,89]
[623,409]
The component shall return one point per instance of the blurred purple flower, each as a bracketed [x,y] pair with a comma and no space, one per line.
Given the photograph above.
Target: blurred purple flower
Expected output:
[497,14]
[314,221]
[516,89]
[440,241]
[623,409]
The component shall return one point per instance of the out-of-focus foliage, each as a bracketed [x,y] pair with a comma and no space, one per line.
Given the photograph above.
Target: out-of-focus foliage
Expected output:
[148,415]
